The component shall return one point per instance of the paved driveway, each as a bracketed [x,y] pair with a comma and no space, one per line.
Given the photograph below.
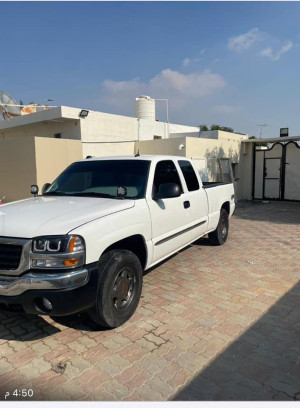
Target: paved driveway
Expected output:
[214,323]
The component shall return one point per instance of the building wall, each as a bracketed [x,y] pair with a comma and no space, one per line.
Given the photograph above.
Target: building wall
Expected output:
[147,129]
[69,129]
[171,130]
[210,148]
[53,156]
[105,127]
[244,172]
[188,131]
[193,148]
[220,134]
[172,147]
[33,160]
[225,146]
[17,167]
[205,152]
[104,134]
[107,149]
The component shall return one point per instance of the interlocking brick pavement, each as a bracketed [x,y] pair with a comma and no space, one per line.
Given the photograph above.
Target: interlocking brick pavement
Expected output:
[214,323]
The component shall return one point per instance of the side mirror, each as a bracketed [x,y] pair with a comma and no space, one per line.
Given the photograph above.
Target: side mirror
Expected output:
[45,187]
[34,190]
[168,190]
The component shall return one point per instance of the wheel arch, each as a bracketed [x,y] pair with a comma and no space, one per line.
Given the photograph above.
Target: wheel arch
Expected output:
[134,243]
[226,207]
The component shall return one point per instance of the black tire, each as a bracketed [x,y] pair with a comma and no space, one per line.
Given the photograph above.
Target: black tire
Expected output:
[219,236]
[119,288]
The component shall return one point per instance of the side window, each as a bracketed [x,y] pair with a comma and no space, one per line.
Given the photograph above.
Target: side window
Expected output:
[189,175]
[165,172]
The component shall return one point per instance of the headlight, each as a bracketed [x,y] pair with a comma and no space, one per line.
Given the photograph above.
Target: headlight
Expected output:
[66,251]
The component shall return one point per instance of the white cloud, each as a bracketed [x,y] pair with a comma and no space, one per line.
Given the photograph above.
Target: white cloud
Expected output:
[227,109]
[244,41]
[186,62]
[174,85]
[275,56]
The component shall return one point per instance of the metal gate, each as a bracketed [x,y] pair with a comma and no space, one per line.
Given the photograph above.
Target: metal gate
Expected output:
[277,172]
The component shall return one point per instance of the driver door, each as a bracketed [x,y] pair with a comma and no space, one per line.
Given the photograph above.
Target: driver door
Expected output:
[169,217]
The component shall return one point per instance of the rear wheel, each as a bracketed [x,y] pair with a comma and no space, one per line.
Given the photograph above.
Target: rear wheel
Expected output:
[219,236]
[119,288]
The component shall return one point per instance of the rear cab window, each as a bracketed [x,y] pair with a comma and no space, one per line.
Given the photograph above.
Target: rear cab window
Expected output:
[189,175]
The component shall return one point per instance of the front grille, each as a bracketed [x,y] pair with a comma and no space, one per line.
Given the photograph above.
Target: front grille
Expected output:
[10,256]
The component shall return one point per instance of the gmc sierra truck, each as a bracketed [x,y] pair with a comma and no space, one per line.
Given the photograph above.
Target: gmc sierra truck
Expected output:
[83,244]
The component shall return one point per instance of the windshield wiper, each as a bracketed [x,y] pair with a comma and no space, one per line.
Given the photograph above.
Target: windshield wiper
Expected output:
[59,193]
[83,194]
[93,194]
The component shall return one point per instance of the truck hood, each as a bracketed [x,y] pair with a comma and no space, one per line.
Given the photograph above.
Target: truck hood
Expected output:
[54,215]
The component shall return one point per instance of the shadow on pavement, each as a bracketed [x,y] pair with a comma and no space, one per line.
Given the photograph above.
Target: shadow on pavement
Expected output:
[205,242]
[278,212]
[22,327]
[262,364]
[78,322]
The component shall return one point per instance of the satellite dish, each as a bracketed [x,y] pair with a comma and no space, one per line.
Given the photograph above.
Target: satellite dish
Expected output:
[6,106]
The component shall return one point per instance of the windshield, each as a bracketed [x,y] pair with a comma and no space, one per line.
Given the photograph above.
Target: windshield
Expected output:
[103,178]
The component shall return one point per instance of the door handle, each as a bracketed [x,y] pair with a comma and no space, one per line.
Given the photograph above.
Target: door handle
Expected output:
[186,204]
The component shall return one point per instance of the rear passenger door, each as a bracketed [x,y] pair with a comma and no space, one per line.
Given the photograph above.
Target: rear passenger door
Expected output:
[196,198]
[169,217]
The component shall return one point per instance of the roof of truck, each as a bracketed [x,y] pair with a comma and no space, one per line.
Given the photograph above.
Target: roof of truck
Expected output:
[141,157]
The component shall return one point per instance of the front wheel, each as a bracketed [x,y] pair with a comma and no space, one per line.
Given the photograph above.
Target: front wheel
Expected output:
[219,236]
[119,288]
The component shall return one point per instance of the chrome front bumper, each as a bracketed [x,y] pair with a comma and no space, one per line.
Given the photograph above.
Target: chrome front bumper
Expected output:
[14,286]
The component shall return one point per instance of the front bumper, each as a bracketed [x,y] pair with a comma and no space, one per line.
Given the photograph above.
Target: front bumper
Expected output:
[13,286]
[68,292]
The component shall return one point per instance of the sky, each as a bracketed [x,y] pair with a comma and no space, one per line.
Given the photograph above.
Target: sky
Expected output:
[229,63]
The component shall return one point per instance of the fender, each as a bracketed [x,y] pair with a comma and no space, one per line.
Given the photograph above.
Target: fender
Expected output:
[101,234]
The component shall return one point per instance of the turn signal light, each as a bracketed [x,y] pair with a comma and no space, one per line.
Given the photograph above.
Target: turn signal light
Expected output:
[71,262]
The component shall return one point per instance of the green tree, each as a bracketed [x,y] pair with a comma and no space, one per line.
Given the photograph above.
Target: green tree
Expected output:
[21,102]
[227,129]
[223,128]
[203,128]
[215,127]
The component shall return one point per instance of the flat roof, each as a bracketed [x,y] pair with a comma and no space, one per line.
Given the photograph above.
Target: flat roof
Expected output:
[50,114]
[272,139]
[55,114]
[140,157]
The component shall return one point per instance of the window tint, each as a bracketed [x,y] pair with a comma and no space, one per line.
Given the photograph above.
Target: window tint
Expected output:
[103,176]
[189,175]
[165,172]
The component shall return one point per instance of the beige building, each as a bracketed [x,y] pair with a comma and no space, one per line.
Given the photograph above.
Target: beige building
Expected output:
[35,148]
[33,160]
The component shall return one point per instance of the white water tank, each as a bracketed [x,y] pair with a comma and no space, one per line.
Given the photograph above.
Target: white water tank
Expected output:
[144,107]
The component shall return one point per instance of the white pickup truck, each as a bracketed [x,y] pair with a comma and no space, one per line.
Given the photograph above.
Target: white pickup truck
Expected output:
[84,243]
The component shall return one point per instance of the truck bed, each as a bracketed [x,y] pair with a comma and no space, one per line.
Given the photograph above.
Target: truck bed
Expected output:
[209,184]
